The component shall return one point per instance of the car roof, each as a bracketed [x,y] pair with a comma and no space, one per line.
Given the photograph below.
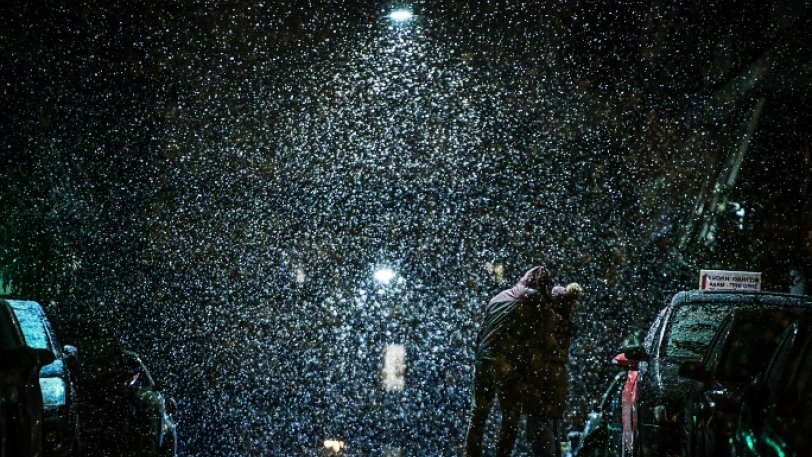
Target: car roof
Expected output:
[25,305]
[32,322]
[726,296]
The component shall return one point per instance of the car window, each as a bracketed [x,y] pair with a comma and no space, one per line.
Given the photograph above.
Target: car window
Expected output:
[140,374]
[775,369]
[145,377]
[691,329]
[750,345]
[800,387]
[717,345]
[33,330]
[803,383]
[794,400]
[653,331]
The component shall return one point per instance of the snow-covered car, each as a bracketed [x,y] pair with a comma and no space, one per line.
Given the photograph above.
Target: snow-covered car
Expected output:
[653,399]
[20,396]
[59,397]
[125,413]
[739,351]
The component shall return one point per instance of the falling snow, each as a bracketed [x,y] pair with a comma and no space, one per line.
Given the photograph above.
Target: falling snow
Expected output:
[296,211]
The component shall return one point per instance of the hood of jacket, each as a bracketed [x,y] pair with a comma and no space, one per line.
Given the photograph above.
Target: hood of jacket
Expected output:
[534,284]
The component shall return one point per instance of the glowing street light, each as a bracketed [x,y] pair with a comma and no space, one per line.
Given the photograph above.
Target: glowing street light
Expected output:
[384,275]
[401,15]
[333,447]
[393,374]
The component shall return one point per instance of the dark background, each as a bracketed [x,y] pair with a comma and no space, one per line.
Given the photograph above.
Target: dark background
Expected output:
[215,183]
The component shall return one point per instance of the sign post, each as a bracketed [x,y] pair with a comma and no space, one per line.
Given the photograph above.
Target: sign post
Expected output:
[746,281]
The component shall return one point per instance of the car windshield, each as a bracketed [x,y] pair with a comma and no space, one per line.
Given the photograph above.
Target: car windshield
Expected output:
[33,330]
[692,327]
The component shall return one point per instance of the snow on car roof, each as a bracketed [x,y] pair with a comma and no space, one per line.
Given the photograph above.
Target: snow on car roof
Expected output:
[30,315]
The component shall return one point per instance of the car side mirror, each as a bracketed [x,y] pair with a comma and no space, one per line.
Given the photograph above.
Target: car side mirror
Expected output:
[71,356]
[694,369]
[71,353]
[625,362]
[636,353]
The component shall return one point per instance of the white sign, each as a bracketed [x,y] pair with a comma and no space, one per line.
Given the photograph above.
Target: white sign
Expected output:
[729,280]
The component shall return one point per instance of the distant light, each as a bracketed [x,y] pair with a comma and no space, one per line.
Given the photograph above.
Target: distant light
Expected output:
[384,275]
[497,269]
[334,446]
[401,15]
[393,375]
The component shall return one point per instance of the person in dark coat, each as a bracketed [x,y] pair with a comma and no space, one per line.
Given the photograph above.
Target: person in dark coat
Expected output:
[511,322]
[544,389]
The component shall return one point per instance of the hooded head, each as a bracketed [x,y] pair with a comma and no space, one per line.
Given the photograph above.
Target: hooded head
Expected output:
[534,285]
[537,278]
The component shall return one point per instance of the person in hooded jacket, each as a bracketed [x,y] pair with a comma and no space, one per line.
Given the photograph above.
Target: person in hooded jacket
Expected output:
[512,322]
[544,382]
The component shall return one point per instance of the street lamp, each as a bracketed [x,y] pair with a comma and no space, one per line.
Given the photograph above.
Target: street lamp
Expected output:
[401,15]
[384,275]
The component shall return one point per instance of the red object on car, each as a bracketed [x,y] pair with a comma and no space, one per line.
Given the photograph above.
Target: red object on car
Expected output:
[628,399]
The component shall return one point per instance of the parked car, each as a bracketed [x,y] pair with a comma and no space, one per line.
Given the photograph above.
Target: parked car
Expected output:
[738,352]
[20,396]
[59,397]
[776,415]
[601,436]
[654,395]
[125,413]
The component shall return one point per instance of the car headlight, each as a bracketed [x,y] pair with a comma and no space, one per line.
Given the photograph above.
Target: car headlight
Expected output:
[53,391]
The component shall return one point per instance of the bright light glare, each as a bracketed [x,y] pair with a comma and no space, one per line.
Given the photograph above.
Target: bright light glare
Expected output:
[400,15]
[384,275]
[394,368]
[497,269]
[334,446]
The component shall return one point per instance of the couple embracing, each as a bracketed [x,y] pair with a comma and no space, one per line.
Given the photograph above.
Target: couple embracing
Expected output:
[521,360]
